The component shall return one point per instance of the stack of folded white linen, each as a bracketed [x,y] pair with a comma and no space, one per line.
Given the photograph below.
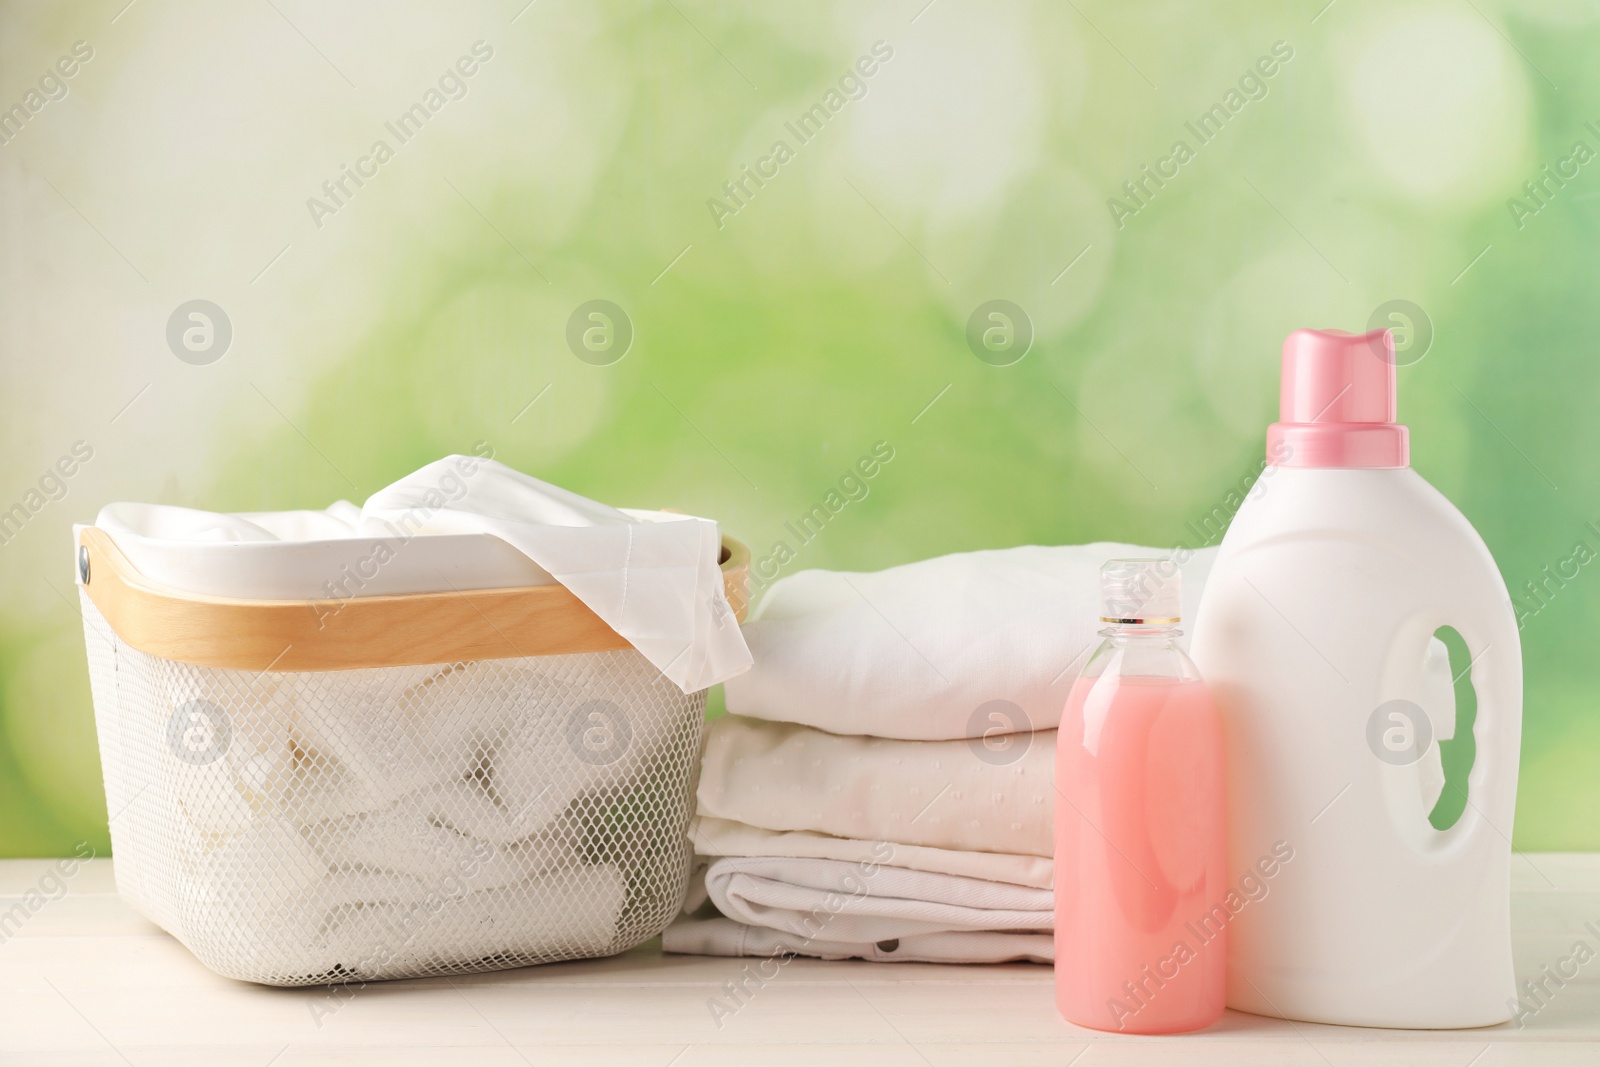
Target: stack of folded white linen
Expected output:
[883,786]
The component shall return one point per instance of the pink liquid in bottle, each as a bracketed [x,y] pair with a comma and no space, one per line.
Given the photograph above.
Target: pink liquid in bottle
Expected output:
[1141,849]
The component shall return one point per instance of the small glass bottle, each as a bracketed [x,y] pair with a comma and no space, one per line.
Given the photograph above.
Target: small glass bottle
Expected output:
[1141,847]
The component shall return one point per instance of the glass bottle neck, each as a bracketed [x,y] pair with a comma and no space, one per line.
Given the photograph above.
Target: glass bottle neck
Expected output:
[1146,651]
[1139,631]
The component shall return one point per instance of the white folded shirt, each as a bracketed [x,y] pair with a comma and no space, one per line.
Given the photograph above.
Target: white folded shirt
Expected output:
[952,647]
[868,901]
[720,837]
[980,795]
[865,909]
[725,937]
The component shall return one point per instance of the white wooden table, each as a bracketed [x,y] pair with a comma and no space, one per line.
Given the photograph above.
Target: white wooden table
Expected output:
[83,980]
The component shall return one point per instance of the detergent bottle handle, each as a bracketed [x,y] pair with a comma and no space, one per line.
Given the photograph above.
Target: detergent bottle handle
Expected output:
[1494,667]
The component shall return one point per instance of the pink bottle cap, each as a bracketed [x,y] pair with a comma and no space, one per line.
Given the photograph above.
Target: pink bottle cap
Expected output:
[1336,406]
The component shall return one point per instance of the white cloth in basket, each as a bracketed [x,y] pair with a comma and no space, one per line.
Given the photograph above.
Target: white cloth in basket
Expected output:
[657,582]
[407,817]
[339,923]
[652,576]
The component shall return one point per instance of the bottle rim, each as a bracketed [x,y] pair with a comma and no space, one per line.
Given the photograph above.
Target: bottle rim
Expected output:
[1172,621]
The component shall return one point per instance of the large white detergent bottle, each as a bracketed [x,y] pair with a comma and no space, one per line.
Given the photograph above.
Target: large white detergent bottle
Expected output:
[1312,633]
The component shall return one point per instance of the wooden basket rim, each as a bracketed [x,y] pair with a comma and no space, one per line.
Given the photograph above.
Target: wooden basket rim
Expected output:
[359,632]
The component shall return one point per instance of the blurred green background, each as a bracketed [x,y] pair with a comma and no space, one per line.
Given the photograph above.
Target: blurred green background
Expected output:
[778,336]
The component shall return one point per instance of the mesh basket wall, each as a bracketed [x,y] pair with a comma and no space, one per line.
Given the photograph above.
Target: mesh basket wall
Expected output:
[305,828]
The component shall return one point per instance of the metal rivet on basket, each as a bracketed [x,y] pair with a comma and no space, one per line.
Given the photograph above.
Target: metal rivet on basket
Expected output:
[83,564]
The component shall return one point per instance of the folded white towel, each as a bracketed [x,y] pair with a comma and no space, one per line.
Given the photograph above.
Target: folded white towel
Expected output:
[973,795]
[940,649]
[868,901]
[725,937]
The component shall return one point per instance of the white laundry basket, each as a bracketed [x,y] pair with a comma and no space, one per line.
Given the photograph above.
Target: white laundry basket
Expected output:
[420,784]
